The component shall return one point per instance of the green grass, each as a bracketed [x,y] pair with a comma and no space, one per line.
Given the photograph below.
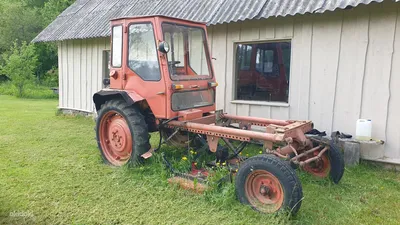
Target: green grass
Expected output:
[31,91]
[51,173]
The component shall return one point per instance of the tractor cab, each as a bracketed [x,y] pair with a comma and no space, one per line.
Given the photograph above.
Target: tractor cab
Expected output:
[164,61]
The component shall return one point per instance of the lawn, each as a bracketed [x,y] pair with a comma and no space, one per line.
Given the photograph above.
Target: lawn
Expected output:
[51,173]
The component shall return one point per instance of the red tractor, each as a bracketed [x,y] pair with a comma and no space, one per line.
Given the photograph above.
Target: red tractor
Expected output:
[162,80]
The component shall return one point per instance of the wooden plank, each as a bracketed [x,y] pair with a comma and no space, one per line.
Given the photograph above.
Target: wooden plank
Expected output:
[84,77]
[219,53]
[70,74]
[250,30]
[284,28]
[94,67]
[378,68]
[260,111]
[280,113]
[350,74]
[267,29]
[230,77]
[300,73]
[89,74]
[392,145]
[60,74]
[77,100]
[390,81]
[65,74]
[242,109]
[325,55]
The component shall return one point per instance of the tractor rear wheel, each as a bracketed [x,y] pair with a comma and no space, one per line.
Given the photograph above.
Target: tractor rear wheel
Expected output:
[331,164]
[121,133]
[268,185]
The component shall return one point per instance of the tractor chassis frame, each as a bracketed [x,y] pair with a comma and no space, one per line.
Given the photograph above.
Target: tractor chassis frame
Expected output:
[287,133]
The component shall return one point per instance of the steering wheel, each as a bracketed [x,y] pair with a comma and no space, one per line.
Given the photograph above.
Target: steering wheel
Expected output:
[173,63]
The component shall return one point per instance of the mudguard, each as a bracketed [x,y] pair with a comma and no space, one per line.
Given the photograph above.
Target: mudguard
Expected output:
[104,95]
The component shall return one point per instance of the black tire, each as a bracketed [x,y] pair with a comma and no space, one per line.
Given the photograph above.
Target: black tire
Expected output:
[289,182]
[137,126]
[337,163]
[336,160]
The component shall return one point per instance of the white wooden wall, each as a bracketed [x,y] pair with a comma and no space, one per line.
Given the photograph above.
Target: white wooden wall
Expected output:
[80,72]
[345,66]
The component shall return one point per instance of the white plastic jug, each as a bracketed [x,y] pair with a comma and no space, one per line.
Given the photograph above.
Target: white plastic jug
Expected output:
[364,130]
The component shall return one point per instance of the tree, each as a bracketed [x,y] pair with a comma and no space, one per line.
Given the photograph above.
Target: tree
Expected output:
[52,9]
[20,64]
[18,21]
[21,21]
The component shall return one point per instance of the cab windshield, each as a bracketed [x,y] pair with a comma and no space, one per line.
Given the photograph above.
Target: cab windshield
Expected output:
[188,55]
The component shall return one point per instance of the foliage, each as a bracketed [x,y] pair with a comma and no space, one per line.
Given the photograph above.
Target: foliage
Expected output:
[20,63]
[50,78]
[21,21]
[31,91]
[52,8]
[47,61]
[18,23]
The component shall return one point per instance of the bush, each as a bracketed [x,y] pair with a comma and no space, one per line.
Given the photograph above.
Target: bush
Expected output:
[31,91]
[20,63]
[50,78]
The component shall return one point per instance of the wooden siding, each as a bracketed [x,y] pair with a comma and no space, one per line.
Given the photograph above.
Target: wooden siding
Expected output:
[344,66]
[81,71]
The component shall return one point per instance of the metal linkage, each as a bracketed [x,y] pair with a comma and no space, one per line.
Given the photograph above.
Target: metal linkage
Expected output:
[315,157]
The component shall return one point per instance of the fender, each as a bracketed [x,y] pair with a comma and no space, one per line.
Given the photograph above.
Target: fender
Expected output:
[104,95]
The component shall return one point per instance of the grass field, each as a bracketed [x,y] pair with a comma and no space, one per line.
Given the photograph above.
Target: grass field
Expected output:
[51,173]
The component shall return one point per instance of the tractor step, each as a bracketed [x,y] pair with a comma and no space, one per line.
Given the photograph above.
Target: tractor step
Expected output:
[148,154]
[188,184]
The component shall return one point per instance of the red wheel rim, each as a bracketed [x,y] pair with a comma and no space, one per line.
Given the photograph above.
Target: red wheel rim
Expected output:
[115,138]
[319,168]
[264,191]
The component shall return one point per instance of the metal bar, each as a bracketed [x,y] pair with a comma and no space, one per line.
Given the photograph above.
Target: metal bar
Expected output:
[227,132]
[204,120]
[229,144]
[315,157]
[257,120]
[276,153]
[238,150]
[171,136]
[305,153]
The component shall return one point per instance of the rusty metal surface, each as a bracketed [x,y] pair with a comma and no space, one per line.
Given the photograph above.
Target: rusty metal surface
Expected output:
[231,133]
[256,121]
[205,119]
[188,184]
[90,18]
[212,143]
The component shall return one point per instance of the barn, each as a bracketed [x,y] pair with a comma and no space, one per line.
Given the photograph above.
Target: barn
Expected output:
[330,61]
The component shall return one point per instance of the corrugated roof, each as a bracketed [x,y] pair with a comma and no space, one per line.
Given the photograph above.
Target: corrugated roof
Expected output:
[90,18]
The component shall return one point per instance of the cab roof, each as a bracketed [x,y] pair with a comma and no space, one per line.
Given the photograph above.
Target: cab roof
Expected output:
[159,16]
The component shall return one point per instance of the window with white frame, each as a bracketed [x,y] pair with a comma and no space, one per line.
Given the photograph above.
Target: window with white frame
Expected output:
[262,71]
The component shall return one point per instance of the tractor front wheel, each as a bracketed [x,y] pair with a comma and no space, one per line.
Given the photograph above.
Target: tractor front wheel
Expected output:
[268,185]
[121,133]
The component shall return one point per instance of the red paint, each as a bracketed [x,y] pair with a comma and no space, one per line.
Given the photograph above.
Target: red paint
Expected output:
[157,93]
[115,138]
[264,191]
